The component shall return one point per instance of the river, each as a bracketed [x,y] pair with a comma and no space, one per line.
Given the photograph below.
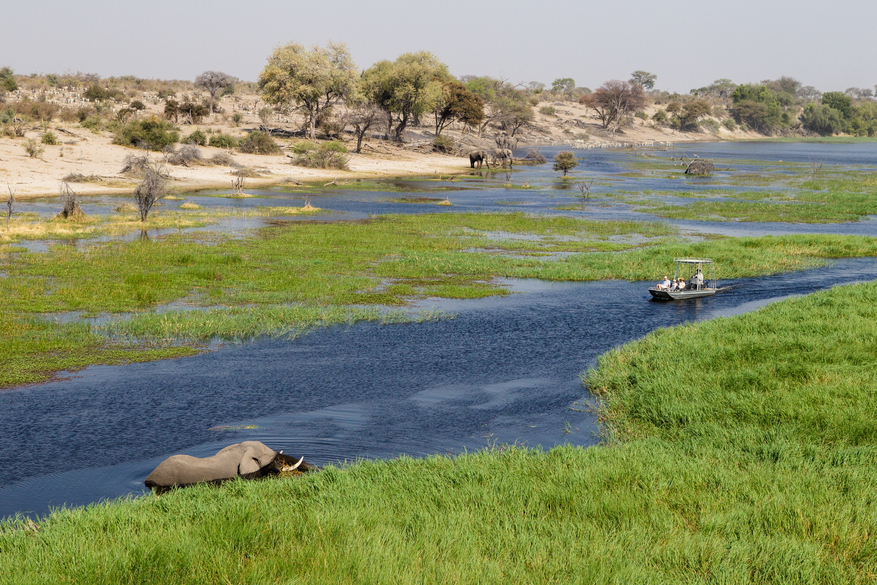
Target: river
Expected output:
[502,370]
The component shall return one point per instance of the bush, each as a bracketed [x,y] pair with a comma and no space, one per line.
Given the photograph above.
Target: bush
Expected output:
[33,148]
[96,93]
[197,137]
[237,118]
[548,111]
[535,155]
[325,156]
[265,115]
[443,144]
[223,159]
[710,125]
[223,140]
[660,116]
[303,146]
[152,133]
[94,123]
[730,124]
[137,105]
[188,155]
[259,143]
[49,138]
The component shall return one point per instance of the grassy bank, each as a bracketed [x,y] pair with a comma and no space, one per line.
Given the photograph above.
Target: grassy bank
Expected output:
[170,296]
[739,450]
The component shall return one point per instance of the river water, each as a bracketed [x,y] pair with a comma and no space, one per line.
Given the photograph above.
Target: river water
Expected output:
[502,370]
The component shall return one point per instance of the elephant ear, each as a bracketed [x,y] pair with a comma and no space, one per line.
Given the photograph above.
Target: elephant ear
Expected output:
[249,463]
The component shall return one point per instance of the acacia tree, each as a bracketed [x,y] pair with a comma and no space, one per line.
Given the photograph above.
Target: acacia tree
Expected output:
[405,88]
[216,84]
[614,100]
[457,103]
[506,107]
[644,79]
[565,161]
[150,189]
[7,79]
[312,79]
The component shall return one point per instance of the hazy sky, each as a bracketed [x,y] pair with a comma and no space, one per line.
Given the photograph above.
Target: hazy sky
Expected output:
[830,45]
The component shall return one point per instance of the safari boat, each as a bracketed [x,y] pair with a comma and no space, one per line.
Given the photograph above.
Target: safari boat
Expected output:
[689,268]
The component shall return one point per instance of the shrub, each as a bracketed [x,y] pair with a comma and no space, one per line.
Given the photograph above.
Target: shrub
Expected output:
[535,155]
[49,138]
[197,137]
[223,140]
[137,105]
[188,155]
[96,93]
[152,133]
[548,111]
[80,178]
[265,115]
[259,143]
[443,144]
[94,123]
[660,116]
[223,159]
[324,156]
[642,115]
[7,116]
[534,100]
[730,124]
[33,148]
[711,125]
[303,146]
[237,118]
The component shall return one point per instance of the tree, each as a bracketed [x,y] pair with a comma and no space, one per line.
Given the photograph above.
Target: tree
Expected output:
[644,79]
[7,79]
[840,102]
[757,106]
[405,89]
[563,85]
[565,161]
[614,100]
[312,79]
[823,120]
[216,84]
[150,189]
[692,112]
[457,103]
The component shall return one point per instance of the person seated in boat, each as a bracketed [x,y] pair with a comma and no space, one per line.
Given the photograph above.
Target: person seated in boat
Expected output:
[674,285]
[681,284]
[665,284]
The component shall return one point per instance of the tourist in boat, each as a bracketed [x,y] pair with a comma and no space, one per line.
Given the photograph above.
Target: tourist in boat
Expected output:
[681,285]
[665,285]
[674,285]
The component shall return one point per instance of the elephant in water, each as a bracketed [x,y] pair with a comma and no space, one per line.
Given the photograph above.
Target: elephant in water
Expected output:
[250,460]
[502,156]
[478,156]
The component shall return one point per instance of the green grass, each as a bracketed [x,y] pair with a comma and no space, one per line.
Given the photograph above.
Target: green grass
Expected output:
[287,279]
[739,450]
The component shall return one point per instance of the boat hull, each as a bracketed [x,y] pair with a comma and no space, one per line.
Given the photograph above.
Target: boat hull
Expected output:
[678,295]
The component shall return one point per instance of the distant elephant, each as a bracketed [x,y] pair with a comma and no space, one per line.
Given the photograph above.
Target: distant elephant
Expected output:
[478,156]
[250,460]
[502,155]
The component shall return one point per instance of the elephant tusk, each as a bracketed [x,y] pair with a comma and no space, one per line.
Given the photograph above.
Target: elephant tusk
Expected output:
[297,464]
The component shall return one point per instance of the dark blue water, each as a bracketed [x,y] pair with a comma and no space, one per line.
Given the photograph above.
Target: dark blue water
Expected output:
[505,370]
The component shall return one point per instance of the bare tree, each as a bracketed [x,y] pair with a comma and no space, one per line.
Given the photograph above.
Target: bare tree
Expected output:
[363,117]
[150,189]
[585,188]
[215,83]
[71,209]
[614,100]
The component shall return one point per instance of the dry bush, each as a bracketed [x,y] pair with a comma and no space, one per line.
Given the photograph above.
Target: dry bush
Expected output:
[80,178]
[187,155]
[224,159]
[150,189]
[135,165]
[247,172]
[71,210]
